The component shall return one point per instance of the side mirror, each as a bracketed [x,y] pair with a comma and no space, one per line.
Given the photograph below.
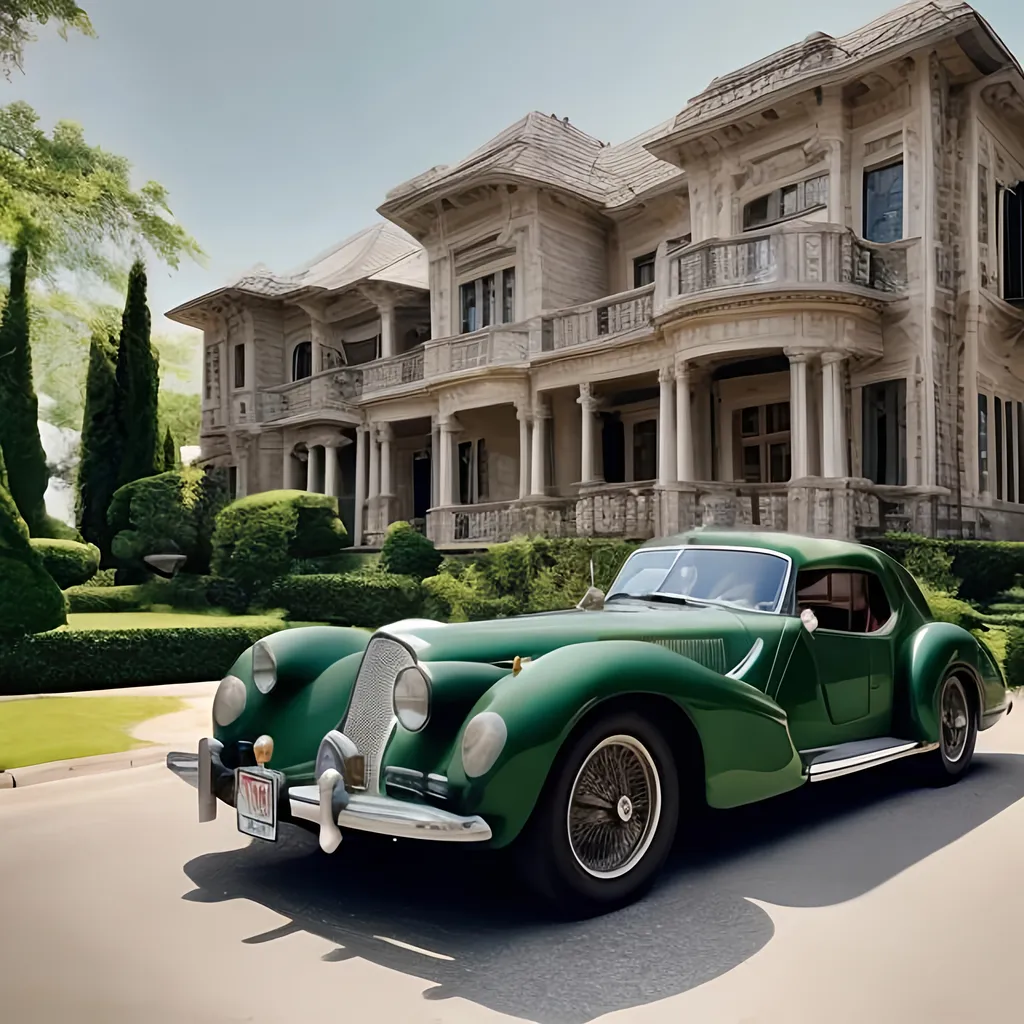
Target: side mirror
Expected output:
[592,601]
[809,619]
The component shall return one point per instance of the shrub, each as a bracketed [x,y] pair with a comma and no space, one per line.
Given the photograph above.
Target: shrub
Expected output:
[104,578]
[945,608]
[1013,666]
[406,552]
[69,564]
[92,659]
[448,599]
[932,566]
[30,601]
[105,599]
[343,562]
[368,599]
[257,538]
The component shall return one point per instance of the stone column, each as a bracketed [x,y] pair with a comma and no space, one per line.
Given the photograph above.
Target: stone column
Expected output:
[331,470]
[385,434]
[311,468]
[523,415]
[666,428]
[588,404]
[374,488]
[360,488]
[286,467]
[799,435]
[684,425]
[538,463]
[446,427]
[387,329]
[242,475]
[833,418]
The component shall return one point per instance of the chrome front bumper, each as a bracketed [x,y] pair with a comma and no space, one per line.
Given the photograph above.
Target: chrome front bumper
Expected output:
[380,814]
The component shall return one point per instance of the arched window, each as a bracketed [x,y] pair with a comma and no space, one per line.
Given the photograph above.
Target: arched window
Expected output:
[302,360]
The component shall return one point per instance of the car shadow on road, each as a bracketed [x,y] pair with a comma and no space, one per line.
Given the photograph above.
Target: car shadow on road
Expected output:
[814,848]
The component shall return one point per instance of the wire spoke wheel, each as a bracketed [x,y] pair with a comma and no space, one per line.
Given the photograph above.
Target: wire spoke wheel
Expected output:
[954,717]
[614,807]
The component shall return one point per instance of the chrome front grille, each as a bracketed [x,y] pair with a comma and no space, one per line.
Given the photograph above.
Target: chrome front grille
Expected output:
[371,715]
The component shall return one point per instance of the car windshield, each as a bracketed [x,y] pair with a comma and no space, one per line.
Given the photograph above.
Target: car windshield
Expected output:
[733,576]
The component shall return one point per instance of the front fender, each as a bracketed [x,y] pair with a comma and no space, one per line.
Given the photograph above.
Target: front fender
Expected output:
[317,667]
[748,753]
[925,661]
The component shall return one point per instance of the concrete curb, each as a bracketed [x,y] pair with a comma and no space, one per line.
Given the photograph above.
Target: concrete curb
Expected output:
[55,771]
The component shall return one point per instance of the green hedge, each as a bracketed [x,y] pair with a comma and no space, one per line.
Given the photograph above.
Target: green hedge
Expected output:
[258,537]
[985,568]
[95,659]
[69,563]
[451,599]
[128,598]
[406,552]
[369,599]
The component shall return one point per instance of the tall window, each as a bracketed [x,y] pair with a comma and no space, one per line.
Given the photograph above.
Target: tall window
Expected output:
[1011,457]
[643,270]
[885,432]
[982,443]
[763,441]
[302,360]
[997,416]
[645,450]
[239,366]
[1013,243]
[883,203]
[473,483]
[488,300]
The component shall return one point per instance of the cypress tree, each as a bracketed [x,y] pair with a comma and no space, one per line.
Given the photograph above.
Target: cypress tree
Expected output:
[170,452]
[27,472]
[101,448]
[138,384]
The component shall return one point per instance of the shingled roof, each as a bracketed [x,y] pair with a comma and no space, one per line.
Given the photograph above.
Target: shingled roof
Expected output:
[548,151]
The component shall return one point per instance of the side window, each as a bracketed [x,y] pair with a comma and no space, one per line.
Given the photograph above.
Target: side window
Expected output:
[845,602]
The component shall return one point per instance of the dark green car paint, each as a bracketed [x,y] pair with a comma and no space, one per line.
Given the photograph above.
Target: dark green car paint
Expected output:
[801,691]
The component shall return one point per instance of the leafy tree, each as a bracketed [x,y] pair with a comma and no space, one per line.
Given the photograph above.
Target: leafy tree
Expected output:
[27,473]
[73,204]
[170,452]
[179,414]
[98,469]
[138,383]
[19,17]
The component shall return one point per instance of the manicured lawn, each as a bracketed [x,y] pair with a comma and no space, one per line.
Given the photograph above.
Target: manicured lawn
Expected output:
[162,620]
[55,728]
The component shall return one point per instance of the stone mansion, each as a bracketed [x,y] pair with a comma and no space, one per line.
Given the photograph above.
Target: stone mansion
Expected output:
[797,304]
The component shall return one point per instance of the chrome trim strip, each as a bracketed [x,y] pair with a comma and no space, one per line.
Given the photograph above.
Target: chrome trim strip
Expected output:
[825,770]
[748,659]
[389,817]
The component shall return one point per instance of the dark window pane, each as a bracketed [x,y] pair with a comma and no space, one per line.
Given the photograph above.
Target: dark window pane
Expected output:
[778,418]
[465,472]
[752,464]
[487,284]
[1020,452]
[1011,460]
[481,470]
[240,366]
[1013,243]
[788,205]
[750,421]
[997,416]
[645,450]
[467,299]
[508,300]
[878,604]
[643,270]
[779,463]
[883,203]
[755,213]
[302,360]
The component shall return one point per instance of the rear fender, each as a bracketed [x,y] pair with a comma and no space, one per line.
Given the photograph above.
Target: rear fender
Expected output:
[748,754]
[927,658]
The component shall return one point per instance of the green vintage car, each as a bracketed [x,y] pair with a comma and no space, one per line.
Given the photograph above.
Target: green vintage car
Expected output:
[721,668]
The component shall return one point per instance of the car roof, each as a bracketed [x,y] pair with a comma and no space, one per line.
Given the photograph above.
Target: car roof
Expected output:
[805,551]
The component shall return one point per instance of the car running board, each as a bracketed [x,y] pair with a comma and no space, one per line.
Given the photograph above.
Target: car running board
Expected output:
[825,763]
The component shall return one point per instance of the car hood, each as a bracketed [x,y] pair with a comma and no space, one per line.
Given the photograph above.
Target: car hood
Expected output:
[532,636]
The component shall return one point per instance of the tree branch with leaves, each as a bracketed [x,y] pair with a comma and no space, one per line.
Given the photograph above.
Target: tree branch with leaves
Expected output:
[18,19]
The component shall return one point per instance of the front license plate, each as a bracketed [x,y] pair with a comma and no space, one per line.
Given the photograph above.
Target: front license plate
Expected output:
[256,791]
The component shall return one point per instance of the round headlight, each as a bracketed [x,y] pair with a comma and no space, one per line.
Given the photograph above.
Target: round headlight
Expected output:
[412,698]
[482,742]
[264,667]
[229,701]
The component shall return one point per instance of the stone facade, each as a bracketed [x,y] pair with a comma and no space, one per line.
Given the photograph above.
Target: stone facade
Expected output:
[796,304]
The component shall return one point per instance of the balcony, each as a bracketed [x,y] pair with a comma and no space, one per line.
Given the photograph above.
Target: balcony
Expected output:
[306,399]
[607,319]
[501,345]
[381,375]
[796,255]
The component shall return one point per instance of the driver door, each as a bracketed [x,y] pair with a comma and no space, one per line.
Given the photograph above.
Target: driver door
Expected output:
[850,654]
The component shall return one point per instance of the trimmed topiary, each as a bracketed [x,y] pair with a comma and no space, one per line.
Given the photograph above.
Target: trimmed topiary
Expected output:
[69,563]
[30,601]
[406,552]
[369,599]
[256,538]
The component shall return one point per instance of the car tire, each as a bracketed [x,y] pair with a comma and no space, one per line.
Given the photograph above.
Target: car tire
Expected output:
[588,850]
[958,731]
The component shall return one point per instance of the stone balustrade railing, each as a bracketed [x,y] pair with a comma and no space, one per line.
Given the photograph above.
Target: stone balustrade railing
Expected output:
[329,390]
[501,345]
[393,372]
[796,253]
[604,319]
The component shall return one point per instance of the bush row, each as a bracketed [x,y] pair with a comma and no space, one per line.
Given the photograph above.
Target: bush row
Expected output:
[87,659]
[368,599]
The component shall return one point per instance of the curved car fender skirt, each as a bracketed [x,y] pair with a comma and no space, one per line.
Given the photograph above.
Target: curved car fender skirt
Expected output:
[925,660]
[747,750]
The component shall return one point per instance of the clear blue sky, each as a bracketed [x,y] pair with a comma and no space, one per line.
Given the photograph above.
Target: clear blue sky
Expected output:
[278,127]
